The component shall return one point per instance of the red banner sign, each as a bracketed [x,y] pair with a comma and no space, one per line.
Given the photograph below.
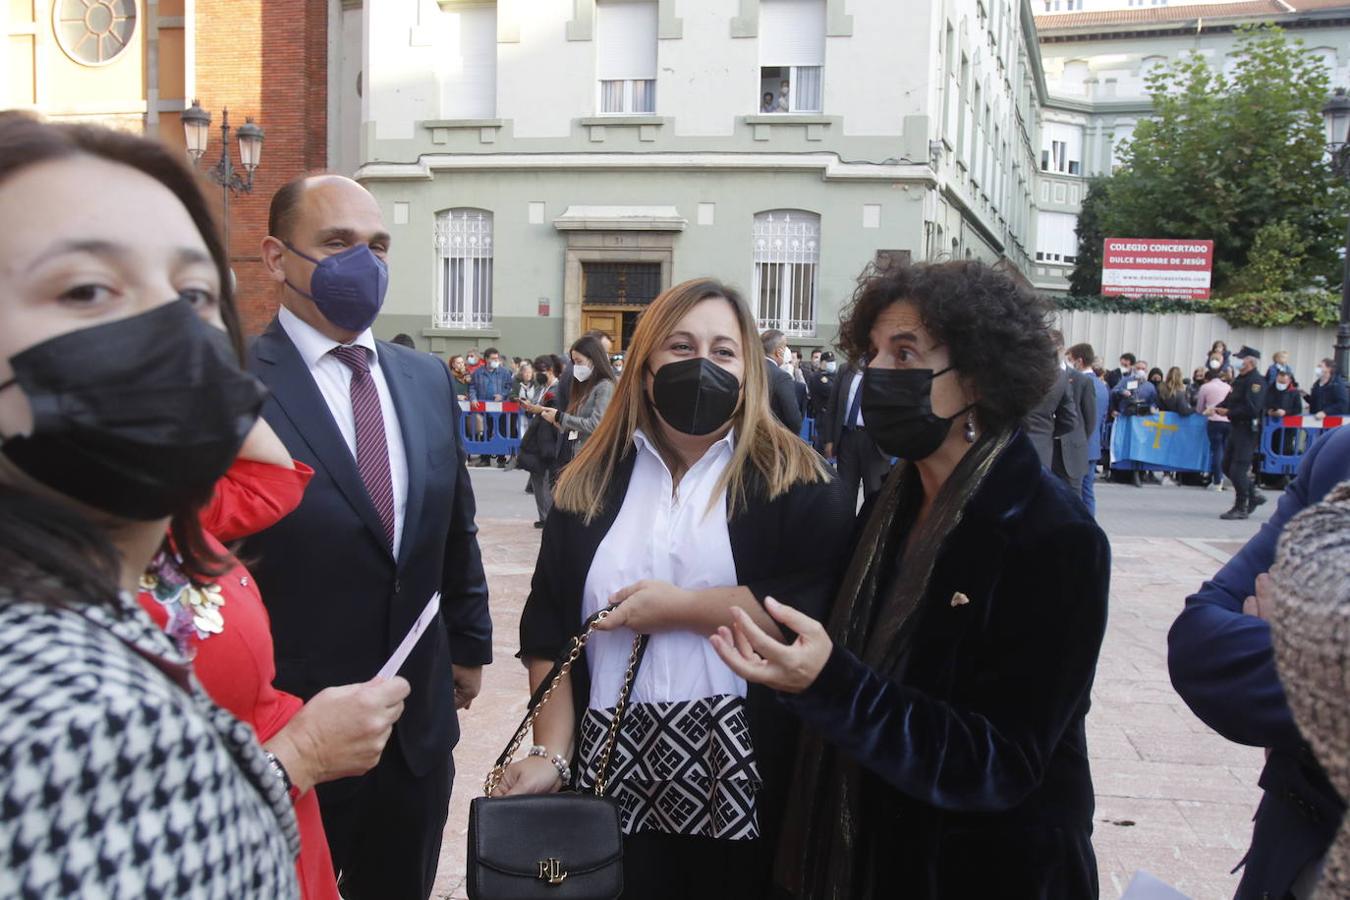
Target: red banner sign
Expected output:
[1147,267]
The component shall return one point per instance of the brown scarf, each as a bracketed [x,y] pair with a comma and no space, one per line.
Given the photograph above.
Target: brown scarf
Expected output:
[817,855]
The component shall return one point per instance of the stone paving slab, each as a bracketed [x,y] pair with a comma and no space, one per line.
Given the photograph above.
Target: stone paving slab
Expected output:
[1173,798]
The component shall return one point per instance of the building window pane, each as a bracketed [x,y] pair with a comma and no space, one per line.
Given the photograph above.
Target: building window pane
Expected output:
[786,263]
[464,245]
[626,49]
[644,95]
[611,96]
[93,33]
[806,88]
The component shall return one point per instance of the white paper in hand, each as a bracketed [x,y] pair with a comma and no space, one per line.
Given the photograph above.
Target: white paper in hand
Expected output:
[427,616]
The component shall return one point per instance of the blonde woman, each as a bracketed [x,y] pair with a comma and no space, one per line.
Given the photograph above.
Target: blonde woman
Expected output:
[688,501]
[1172,394]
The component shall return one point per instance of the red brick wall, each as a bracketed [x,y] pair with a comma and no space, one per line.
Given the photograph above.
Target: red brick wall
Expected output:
[266,59]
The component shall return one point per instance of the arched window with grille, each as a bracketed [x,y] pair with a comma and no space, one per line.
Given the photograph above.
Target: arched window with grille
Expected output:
[464,268]
[787,260]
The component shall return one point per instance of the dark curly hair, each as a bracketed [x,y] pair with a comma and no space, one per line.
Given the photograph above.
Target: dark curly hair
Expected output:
[996,331]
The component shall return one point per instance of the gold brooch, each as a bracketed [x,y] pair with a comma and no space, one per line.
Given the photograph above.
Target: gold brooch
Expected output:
[959,599]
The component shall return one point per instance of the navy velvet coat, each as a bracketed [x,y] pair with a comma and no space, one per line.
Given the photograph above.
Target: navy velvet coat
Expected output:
[974,762]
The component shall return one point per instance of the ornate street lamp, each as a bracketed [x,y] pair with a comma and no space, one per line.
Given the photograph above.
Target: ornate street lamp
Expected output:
[1337,116]
[197,130]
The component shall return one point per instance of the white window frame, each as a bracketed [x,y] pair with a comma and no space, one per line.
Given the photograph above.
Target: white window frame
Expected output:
[464,291]
[626,54]
[629,104]
[787,261]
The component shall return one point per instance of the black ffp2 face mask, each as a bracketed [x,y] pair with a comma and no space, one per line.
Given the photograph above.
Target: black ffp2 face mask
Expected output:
[695,396]
[136,417]
[897,409]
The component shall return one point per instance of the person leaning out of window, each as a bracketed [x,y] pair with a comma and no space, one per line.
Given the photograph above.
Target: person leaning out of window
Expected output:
[688,503]
[945,754]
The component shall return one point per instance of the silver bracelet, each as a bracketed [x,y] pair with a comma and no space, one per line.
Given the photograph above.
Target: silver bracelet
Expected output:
[559,762]
[278,769]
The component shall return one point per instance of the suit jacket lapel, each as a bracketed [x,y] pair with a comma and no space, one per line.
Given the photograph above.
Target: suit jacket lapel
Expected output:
[282,369]
[403,390]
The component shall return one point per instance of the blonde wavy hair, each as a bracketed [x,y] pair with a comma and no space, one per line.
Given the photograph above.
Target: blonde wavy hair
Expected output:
[763,444]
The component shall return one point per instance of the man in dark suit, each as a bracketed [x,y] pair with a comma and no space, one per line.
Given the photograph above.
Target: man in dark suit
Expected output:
[1054,418]
[858,458]
[386,522]
[1080,359]
[1072,449]
[1126,367]
[821,388]
[782,388]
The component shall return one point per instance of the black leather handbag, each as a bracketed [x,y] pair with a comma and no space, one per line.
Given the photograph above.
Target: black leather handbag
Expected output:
[564,846]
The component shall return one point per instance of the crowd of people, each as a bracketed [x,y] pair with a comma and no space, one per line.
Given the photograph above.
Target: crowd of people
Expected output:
[213,556]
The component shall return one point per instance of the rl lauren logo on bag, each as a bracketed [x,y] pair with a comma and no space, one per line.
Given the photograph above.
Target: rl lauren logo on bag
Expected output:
[552,871]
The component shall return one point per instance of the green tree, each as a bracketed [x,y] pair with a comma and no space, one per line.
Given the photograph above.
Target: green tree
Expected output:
[1086,278]
[1223,156]
[1277,262]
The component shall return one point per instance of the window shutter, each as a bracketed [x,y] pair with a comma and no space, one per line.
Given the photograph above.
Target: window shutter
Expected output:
[470,89]
[792,32]
[625,39]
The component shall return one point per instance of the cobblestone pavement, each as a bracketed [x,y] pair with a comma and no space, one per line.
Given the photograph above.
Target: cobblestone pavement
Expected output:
[1173,798]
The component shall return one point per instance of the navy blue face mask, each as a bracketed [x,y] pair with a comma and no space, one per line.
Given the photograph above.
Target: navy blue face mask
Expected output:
[347,287]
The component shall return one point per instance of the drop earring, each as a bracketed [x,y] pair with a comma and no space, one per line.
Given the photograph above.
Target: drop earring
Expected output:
[970,427]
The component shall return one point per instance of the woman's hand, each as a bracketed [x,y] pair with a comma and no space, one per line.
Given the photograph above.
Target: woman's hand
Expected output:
[340,732]
[648,606]
[533,409]
[761,659]
[532,775]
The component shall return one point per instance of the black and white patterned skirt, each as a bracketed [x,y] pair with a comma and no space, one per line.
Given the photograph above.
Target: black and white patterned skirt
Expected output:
[679,768]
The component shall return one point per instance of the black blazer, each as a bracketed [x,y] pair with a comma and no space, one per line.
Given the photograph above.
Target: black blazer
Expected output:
[771,560]
[783,397]
[1055,416]
[833,427]
[339,600]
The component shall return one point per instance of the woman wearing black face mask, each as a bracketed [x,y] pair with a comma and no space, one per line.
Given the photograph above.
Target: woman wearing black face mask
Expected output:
[945,699]
[688,501]
[119,409]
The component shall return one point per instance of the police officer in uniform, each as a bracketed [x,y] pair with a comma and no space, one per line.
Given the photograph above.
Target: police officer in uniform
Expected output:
[1245,406]
[820,385]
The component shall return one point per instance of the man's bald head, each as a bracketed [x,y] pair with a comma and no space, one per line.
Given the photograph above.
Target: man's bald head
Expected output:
[288,201]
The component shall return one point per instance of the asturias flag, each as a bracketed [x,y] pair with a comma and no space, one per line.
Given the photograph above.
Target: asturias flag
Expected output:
[1164,440]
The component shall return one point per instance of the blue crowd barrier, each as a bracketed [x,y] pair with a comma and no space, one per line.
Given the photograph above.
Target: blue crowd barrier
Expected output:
[499,433]
[492,433]
[1284,441]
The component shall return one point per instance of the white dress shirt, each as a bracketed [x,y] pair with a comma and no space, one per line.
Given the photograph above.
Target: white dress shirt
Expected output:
[852,392]
[673,536]
[334,381]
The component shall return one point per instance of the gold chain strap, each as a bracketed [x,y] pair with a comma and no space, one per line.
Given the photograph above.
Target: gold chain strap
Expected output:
[494,777]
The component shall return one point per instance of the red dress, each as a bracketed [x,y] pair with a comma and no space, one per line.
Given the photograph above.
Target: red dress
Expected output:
[226,625]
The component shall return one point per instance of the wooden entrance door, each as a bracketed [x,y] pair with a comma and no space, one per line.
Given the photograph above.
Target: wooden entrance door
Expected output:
[614,295]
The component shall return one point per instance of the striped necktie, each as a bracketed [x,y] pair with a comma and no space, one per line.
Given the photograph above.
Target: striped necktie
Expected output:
[372,451]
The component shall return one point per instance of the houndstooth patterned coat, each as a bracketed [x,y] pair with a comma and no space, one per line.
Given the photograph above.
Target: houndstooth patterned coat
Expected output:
[118,775]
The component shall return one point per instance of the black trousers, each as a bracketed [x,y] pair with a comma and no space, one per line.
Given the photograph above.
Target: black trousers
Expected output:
[384,829]
[660,866]
[860,462]
[1237,461]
